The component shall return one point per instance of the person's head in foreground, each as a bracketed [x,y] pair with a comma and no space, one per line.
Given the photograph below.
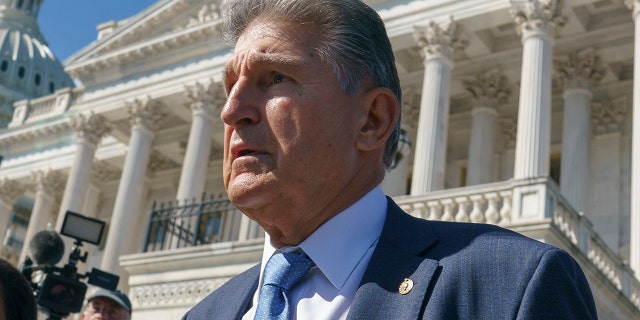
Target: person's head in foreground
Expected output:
[107,305]
[312,116]
[16,295]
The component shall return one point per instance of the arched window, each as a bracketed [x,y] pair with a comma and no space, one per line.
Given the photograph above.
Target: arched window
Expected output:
[21,72]
[37,79]
[4,65]
[52,87]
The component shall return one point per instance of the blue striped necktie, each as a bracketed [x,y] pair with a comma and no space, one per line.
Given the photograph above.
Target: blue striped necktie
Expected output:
[282,272]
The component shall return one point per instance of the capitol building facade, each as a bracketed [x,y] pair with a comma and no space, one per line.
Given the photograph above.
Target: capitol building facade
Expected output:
[519,113]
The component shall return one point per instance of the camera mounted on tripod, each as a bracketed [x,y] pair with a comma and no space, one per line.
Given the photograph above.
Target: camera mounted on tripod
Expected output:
[59,291]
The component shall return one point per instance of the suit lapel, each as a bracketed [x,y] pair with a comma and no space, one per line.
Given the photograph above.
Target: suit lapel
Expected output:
[397,256]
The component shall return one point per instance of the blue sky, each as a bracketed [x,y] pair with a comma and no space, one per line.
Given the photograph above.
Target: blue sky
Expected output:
[70,25]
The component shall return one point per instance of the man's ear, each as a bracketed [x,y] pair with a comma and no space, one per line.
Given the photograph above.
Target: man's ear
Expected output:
[381,112]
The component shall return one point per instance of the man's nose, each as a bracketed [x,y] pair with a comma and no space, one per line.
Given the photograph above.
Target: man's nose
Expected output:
[243,104]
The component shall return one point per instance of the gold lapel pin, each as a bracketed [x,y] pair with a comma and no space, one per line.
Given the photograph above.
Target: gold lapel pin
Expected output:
[405,286]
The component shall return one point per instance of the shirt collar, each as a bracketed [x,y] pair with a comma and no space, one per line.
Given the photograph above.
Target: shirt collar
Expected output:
[348,235]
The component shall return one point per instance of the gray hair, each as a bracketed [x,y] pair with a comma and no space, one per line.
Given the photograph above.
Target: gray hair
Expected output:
[355,41]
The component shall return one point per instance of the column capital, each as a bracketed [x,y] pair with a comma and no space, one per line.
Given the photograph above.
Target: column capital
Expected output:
[102,172]
[541,18]
[159,162]
[90,128]
[489,88]
[205,97]
[634,6]
[49,182]
[147,113]
[440,41]
[610,116]
[10,191]
[580,70]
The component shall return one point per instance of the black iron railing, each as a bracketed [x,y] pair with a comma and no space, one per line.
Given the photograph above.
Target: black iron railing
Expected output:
[179,225]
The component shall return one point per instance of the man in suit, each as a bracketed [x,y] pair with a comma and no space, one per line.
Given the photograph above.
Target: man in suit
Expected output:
[311,124]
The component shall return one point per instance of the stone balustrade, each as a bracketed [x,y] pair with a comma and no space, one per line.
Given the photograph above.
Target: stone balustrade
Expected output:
[487,203]
[516,202]
[27,111]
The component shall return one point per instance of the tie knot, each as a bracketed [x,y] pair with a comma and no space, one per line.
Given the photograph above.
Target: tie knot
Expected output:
[286,269]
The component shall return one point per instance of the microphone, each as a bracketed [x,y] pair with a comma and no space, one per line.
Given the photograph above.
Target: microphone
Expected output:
[46,247]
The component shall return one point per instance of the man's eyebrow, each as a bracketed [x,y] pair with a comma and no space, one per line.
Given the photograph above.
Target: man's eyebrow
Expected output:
[281,60]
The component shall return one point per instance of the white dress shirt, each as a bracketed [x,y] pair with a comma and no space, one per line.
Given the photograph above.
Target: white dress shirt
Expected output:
[341,249]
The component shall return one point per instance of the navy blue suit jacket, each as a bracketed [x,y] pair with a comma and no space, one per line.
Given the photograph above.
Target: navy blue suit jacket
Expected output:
[459,271]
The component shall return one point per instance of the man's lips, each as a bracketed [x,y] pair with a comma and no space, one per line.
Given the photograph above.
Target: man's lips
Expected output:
[242,150]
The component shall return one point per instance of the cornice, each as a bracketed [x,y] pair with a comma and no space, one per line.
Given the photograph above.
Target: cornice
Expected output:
[33,132]
[189,36]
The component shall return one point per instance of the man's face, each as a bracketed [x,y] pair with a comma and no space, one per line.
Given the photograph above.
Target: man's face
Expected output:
[290,132]
[104,309]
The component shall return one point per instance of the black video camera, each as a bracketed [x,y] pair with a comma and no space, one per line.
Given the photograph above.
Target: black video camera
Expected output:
[59,291]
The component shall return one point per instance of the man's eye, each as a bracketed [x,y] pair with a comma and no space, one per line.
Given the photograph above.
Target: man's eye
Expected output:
[277,78]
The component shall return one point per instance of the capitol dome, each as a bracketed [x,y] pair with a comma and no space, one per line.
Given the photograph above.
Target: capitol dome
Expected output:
[28,69]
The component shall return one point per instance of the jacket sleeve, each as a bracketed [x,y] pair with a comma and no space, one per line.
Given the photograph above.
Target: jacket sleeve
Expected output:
[558,289]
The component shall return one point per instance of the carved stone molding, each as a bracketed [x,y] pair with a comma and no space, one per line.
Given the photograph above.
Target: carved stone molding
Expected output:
[10,191]
[610,116]
[582,69]
[147,113]
[49,182]
[441,40]
[103,172]
[206,13]
[538,17]
[489,88]
[31,133]
[185,293]
[210,98]
[90,128]
[159,162]
[509,127]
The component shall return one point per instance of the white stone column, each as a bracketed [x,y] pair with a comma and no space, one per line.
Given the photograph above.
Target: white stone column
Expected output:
[634,5]
[89,131]
[609,119]
[145,117]
[395,181]
[439,44]
[48,185]
[196,159]
[536,21]
[579,72]
[489,90]
[10,191]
